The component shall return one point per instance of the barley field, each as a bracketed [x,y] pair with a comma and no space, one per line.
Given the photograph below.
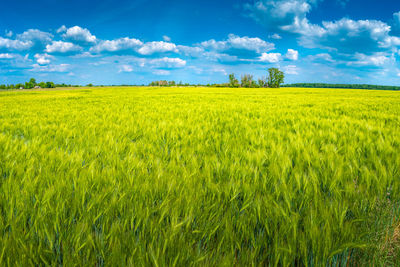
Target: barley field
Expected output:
[149,176]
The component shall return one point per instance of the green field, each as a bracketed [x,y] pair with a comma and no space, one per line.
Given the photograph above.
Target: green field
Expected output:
[199,176]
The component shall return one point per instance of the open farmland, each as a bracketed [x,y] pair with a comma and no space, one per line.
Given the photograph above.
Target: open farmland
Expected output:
[199,176]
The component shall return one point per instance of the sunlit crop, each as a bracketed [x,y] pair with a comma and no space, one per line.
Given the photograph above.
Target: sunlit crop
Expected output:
[198,176]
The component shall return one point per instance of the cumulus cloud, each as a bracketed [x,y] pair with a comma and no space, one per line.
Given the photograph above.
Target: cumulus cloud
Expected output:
[270,57]
[241,43]
[168,63]
[377,60]
[281,15]
[292,54]
[166,38]
[291,70]
[62,47]
[35,36]
[125,68]
[9,34]
[6,56]
[343,36]
[157,47]
[348,35]
[9,44]
[79,35]
[121,44]
[62,29]
[253,44]
[50,68]
[275,36]
[43,59]
[214,45]
[190,51]
[220,57]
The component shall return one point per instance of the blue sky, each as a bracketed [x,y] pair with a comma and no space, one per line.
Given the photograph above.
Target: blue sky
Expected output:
[135,42]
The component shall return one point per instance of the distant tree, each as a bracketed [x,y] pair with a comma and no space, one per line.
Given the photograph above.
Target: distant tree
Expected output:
[29,85]
[163,83]
[233,82]
[50,85]
[262,82]
[246,80]
[18,85]
[275,77]
[89,85]
[171,83]
[32,81]
[42,84]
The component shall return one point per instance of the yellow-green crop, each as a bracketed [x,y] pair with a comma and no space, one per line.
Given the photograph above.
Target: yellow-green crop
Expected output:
[198,176]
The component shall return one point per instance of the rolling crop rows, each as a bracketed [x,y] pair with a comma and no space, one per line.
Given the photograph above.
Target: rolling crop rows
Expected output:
[198,176]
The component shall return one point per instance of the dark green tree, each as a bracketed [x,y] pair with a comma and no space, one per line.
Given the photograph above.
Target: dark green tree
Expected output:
[50,85]
[275,77]
[32,81]
[233,82]
[246,80]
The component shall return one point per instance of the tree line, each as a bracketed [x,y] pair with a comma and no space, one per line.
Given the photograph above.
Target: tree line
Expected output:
[33,84]
[274,79]
[343,86]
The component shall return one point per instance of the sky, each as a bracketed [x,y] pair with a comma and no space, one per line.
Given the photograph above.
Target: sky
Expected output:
[136,42]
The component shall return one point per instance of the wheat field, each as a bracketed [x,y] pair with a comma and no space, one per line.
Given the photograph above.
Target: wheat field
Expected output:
[149,176]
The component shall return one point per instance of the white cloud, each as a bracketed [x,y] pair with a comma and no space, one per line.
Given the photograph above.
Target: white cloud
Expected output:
[190,51]
[219,69]
[166,38]
[121,44]
[291,70]
[344,35]
[275,36]
[280,14]
[245,43]
[292,54]
[321,57]
[15,44]
[221,57]
[9,34]
[157,47]
[125,68]
[253,44]
[62,47]
[270,57]
[50,68]
[377,59]
[79,34]
[84,55]
[43,59]
[35,36]
[62,29]
[214,45]
[6,56]
[167,62]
